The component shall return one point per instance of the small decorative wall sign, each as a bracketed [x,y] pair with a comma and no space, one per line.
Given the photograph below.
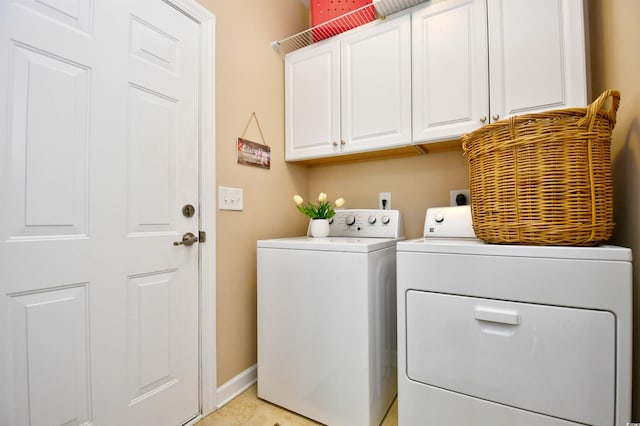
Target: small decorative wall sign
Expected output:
[253,153]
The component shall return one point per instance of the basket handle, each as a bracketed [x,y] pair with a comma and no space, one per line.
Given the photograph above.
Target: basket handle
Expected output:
[465,146]
[594,108]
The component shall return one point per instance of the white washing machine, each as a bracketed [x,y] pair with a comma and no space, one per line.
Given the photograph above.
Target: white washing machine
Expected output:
[492,335]
[327,319]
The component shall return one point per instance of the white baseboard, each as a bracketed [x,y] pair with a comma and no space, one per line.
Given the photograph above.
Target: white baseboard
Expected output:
[237,385]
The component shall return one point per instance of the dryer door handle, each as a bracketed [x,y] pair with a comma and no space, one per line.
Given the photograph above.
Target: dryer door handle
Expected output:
[503,316]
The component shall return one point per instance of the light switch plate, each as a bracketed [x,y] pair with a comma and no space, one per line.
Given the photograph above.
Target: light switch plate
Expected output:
[230,198]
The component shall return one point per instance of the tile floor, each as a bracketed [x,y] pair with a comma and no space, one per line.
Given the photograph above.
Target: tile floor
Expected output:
[248,409]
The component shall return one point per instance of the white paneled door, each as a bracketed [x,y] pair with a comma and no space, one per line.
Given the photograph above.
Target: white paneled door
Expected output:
[98,155]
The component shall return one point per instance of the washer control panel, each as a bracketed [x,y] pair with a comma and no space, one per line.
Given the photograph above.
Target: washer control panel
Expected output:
[366,223]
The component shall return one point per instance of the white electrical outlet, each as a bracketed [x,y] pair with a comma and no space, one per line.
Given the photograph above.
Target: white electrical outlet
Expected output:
[230,198]
[385,201]
[453,197]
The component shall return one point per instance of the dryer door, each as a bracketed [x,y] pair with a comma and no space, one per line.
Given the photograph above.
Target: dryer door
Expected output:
[551,360]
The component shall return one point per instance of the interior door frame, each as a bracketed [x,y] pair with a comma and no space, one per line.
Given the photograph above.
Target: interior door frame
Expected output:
[207,184]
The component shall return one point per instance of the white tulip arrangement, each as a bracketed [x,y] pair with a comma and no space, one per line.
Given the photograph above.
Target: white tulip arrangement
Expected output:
[323,210]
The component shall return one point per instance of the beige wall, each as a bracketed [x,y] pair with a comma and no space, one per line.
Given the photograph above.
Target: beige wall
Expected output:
[615,60]
[415,183]
[249,78]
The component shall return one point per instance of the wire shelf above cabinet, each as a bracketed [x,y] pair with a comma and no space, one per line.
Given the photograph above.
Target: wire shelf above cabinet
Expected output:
[360,16]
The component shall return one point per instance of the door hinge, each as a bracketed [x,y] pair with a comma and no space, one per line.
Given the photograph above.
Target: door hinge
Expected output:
[202,236]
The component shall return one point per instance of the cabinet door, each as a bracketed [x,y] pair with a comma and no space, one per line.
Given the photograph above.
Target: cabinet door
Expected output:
[537,56]
[376,86]
[450,81]
[312,101]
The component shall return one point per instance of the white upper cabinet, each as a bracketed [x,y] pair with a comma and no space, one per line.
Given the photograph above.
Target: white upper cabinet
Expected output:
[351,93]
[376,87]
[312,101]
[439,70]
[479,61]
[537,56]
[450,69]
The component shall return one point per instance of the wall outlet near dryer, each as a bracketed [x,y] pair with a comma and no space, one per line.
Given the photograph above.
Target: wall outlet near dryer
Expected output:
[459,197]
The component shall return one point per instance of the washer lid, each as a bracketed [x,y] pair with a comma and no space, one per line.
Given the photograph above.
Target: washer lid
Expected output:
[475,246]
[342,244]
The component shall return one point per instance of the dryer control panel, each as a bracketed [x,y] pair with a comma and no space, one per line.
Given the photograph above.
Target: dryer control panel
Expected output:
[449,222]
[366,223]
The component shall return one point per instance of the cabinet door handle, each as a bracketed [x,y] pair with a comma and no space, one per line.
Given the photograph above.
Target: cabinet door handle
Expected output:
[503,316]
[483,118]
[342,142]
[334,143]
[495,117]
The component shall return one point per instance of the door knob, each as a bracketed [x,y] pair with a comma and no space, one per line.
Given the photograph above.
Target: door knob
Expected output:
[187,240]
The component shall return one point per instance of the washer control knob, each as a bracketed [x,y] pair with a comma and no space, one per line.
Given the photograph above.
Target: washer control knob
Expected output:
[350,220]
[439,218]
[372,220]
[385,219]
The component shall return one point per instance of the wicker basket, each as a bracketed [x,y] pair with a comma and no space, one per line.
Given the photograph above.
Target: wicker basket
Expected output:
[544,179]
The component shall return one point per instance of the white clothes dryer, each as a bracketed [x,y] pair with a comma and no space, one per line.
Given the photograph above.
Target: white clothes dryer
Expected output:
[512,335]
[327,319]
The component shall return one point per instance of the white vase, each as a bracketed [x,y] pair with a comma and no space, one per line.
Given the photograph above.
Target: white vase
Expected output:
[319,228]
